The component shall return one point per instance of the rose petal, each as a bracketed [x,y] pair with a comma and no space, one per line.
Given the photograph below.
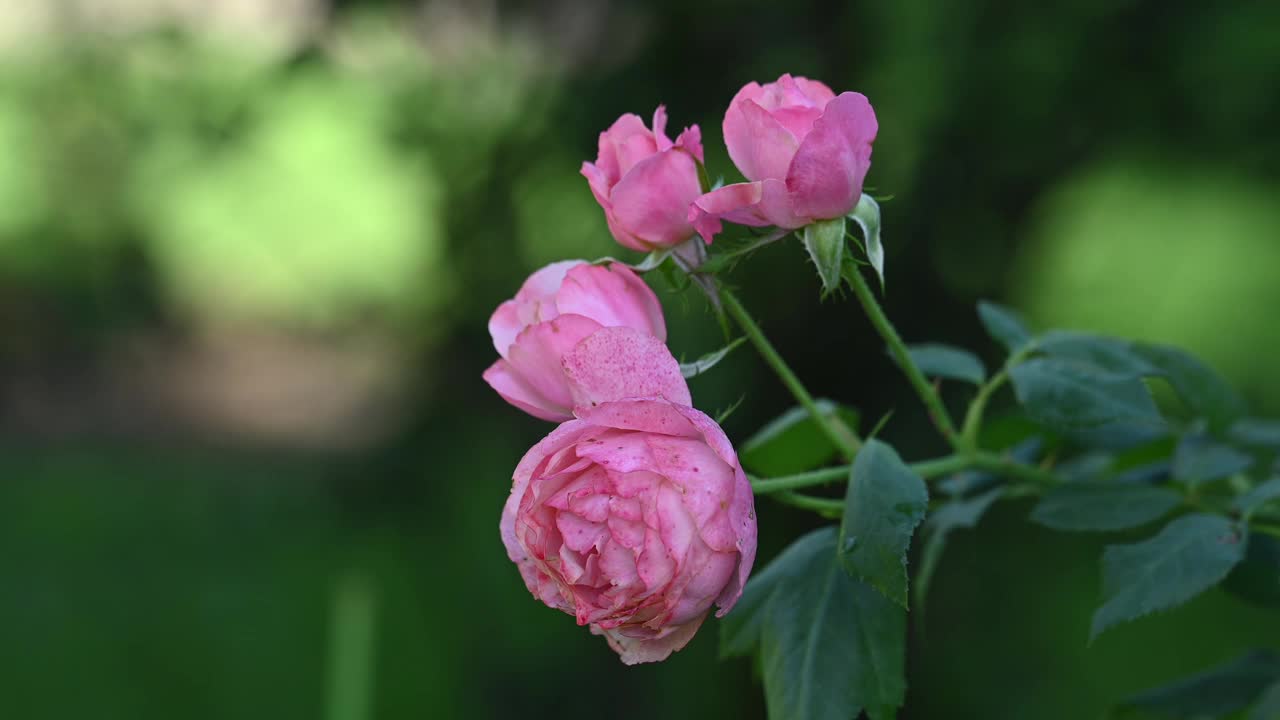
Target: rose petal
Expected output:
[607,157]
[619,363]
[645,415]
[825,178]
[742,515]
[691,142]
[652,200]
[756,204]
[511,386]
[613,296]
[564,435]
[760,147]
[633,651]
[537,355]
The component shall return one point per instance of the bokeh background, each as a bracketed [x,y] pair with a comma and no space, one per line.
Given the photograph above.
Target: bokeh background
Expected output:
[248,248]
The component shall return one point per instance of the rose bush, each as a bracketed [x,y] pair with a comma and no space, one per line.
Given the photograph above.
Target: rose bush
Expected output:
[645,182]
[556,308]
[804,149]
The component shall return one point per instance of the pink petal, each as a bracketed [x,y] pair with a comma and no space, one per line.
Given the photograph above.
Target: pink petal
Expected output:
[598,183]
[691,142]
[634,651]
[613,296]
[579,534]
[654,563]
[661,141]
[533,303]
[817,92]
[645,415]
[651,202]
[504,326]
[563,436]
[705,480]
[675,524]
[798,119]
[756,204]
[513,388]
[758,144]
[626,533]
[619,363]
[618,562]
[704,583]
[623,454]
[538,352]
[542,284]
[825,178]
[742,516]
[607,160]
[631,149]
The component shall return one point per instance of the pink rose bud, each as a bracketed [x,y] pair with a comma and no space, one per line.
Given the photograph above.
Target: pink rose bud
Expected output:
[645,182]
[555,309]
[804,149]
[634,518]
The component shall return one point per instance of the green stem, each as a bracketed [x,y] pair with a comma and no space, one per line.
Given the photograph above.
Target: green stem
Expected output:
[827,507]
[847,445]
[825,476]
[927,469]
[1007,467]
[928,394]
[973,417]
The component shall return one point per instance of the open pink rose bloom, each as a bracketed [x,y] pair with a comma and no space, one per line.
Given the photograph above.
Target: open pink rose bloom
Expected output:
[555,309]
[645,182]
[804,149]
[636,516]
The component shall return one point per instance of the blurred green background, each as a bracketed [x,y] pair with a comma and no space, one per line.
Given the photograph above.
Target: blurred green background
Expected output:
[248,250]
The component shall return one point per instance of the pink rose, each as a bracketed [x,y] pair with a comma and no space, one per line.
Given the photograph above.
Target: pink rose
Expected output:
[805,150]
[645,182]
[635,517]
[555,309]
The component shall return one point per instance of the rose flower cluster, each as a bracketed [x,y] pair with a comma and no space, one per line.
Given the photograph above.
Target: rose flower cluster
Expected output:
[634,514]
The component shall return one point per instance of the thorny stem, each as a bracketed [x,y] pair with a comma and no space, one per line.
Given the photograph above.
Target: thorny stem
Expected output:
[847,444]
[928,394]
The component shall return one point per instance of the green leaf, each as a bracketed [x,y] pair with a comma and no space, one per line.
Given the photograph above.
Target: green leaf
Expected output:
[708,361]
[1199,386]
[1190,555]
[1258,496]
[793,442]
[1004,325]
[945,361]
[954,515]
[1215,692]
[884,503]
[1257,579]
[867,215]
[1111,354]
[1066,395]
[831,646]
[1200,459]
[1256,432]
[1103,506]
[1268,705]
[740,629]
[825,242]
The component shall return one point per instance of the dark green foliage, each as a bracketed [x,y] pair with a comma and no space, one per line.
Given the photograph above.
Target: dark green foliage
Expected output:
[830,645]
[1190,555]
[884,503]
